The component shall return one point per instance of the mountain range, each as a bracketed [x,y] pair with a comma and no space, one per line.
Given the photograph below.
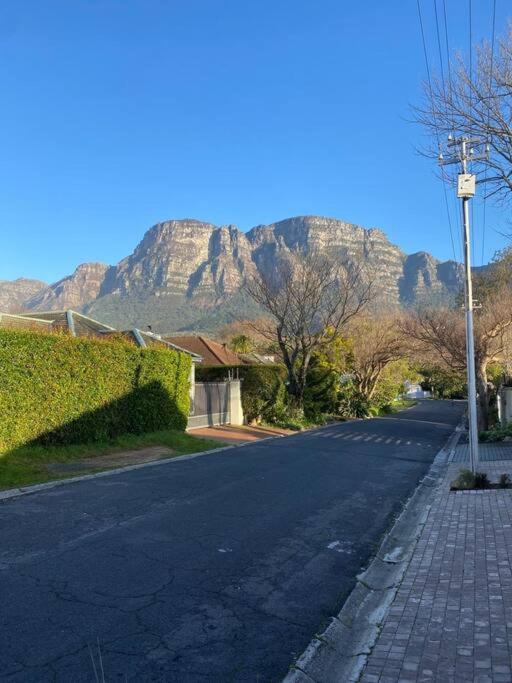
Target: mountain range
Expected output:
[188,274]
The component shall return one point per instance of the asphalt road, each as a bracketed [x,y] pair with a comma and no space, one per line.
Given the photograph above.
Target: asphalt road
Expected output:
[219,568]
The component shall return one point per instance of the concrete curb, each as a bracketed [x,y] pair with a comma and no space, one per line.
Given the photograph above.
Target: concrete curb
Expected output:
[341,651]
[9,494]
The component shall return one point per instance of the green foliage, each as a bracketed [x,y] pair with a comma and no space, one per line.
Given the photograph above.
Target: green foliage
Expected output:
[497,433]
[391,384]
[241,343]
[32,464]
[443,383]
[322,386]
[467,480]
[464,480]
[481,480]
[351,402]
[504,482]
[263,393]
[55,389]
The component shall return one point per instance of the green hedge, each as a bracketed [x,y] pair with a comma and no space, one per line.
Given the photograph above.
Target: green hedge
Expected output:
[55,389]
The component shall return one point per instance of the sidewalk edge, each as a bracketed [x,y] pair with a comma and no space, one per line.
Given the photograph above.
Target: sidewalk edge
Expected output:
[341,651]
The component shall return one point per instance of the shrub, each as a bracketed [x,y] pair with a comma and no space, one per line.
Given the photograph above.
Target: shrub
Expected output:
[263,394]
[465,480]
[504,481]
[481,480]
[497,433]
[56,389]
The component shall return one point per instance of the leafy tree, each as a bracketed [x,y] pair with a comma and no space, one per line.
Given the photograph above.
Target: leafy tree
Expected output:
[242,343]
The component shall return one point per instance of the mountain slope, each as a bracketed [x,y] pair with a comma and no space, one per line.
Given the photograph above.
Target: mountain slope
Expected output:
[14,293]
[187,274]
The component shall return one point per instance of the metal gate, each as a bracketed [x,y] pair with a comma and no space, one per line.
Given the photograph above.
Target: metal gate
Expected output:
[210,405]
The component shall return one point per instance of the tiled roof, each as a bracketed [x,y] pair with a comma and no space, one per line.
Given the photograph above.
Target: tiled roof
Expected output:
[211,351]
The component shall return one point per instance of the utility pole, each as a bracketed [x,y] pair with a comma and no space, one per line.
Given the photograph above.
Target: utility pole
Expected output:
[466,183]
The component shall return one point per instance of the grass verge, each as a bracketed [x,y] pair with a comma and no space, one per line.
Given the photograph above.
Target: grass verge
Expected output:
[29,464]
[397,406]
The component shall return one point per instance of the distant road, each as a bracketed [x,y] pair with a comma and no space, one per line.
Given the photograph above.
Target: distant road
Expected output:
[219,568]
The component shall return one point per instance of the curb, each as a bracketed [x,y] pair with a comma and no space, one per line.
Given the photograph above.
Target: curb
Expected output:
[9,494]
[341,651]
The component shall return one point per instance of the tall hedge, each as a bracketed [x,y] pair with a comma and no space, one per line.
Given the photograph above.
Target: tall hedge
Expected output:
[56,389]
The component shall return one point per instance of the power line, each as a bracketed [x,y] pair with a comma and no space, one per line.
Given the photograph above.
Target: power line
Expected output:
[429,80]
[439,48]
[488,121]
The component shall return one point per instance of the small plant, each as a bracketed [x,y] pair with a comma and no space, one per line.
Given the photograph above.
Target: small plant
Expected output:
[481,480]
[504,482]
[465,480]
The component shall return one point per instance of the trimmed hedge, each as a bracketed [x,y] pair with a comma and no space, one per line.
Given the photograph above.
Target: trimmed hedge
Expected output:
[56,389]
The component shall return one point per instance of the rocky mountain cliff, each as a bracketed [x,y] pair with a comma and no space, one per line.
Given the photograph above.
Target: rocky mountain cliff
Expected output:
[187,274]
[14,293]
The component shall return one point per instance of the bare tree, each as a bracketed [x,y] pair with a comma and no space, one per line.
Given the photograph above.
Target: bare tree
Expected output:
[310,297]
[477,104]
[440,334]
[377,341]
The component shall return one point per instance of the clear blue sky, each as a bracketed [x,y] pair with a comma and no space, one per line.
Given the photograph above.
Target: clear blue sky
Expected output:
[117,114]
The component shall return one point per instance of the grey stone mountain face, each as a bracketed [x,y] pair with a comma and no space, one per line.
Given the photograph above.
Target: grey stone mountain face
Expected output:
[187,274]
[14,293]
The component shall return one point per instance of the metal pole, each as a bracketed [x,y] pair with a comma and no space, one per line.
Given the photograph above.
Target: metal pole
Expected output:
[470,342]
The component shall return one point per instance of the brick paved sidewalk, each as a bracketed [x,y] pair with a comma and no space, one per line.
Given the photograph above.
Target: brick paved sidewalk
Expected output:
[451,619]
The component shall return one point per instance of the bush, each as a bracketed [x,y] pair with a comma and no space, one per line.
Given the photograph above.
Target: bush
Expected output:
[55,389]
[504,481]
[465,480]
[263,394]
[481,480]
[497,433]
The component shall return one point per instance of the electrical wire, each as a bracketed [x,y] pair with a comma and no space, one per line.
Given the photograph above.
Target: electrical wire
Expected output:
[429,81]
[449,73]
[488,121]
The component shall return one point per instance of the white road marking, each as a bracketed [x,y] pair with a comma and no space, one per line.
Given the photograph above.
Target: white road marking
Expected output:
[408,443]
[388,440]
[340,547]
[369,438]
[398,441]
[379,439]
[225,550]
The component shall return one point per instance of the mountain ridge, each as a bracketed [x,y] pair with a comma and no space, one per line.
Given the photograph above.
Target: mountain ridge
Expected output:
[185,271]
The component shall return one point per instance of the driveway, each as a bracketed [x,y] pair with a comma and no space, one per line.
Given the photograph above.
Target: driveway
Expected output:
[218,568]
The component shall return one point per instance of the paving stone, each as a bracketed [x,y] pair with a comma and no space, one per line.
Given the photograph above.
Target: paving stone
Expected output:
[451,619]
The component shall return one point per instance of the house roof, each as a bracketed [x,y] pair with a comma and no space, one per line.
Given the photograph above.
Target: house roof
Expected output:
[78,324]
[211,352]
[17,321]
[254,358]
[144,339]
